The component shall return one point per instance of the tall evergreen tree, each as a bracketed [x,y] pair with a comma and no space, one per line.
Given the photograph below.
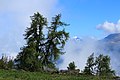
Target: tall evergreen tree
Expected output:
[34,34]
[103,65]
[42,50]
[28,58]
[56,39]
[89,68]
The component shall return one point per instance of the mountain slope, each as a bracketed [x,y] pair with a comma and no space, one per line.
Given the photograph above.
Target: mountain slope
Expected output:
[110,45]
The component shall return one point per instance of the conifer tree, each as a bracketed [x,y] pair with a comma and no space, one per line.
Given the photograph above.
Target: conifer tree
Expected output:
[28,58]
[103,65]
[71,66]
[89,68]
[56,38]
[42,50]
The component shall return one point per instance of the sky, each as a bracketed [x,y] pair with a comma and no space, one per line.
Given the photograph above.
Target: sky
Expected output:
[91,17]
[87,18]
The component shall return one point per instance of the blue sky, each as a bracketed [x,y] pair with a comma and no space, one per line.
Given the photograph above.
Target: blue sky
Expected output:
[85,15]
[94,18]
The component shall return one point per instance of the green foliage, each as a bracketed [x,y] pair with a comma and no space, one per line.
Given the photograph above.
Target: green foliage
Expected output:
[27,59]
[89,68]
[10,64]
[56,39]
[71,66]
[42,49]
[99,66]
[103,65]
[5,63]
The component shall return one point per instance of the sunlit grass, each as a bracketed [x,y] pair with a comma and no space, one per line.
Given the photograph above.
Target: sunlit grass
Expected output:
[23,75]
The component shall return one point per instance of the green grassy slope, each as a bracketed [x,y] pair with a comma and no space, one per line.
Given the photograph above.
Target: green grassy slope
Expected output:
[22,75]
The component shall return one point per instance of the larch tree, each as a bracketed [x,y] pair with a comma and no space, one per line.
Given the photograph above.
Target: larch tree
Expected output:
[28,58]
[89,68]
[42,50]
[56,38]
[103,65]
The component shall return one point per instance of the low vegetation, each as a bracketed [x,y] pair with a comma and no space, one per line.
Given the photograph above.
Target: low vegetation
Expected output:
[25,75]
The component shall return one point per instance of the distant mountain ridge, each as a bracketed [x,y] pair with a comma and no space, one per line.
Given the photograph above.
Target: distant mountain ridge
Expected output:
[78,49]
[111,43]
[113,37]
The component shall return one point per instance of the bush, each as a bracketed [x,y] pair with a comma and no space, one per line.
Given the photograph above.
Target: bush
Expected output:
[71,66]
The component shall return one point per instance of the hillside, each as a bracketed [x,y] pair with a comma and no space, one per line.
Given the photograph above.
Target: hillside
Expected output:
[110,45]
[22,75]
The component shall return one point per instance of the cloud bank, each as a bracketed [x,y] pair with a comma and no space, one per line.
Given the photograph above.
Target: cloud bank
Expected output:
[77,50]
[109,27]
[15,17]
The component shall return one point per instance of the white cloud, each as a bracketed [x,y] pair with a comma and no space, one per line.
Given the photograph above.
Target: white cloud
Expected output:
[15,17]
[27,6]
[109,27]
[77,51]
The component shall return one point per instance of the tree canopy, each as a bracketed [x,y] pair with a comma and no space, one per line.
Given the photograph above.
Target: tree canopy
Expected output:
[89,68]
[71,66]
[98,66]
[103,65]
[42,50]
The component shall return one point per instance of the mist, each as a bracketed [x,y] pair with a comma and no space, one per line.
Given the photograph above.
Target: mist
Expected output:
[78,50]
